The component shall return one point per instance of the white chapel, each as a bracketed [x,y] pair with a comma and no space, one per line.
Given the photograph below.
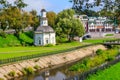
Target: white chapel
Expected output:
[44,34]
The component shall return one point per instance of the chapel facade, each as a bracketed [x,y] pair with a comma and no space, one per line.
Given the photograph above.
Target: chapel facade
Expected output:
[44,34]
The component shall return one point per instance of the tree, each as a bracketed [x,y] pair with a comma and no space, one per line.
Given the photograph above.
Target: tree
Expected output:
[20,4]
[18,21]
[71,28]
[5,3]
[15,21]
[51,18]
[89,12]
[35,19]
[68,13]
[67,26]
[79,5]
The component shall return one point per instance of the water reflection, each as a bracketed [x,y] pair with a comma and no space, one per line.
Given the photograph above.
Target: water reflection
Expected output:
[60,73]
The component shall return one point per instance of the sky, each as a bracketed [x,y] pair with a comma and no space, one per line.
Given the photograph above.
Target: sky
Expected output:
[49,5]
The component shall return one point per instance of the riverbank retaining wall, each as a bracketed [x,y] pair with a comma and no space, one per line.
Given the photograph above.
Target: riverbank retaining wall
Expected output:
[48,61]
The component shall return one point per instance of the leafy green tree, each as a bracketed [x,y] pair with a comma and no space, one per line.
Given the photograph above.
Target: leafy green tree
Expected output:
[71,28]
[3,21]
[5,3]
[20,4]
[68,13]
[89,12]
[51,18]
[67,26]
[18,21]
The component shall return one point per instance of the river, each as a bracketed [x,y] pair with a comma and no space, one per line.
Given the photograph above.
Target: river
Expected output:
[60,73]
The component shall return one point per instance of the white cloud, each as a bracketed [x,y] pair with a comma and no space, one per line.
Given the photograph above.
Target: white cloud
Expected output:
[35,4]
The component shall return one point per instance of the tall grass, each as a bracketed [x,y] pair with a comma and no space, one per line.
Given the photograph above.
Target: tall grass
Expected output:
[101,57]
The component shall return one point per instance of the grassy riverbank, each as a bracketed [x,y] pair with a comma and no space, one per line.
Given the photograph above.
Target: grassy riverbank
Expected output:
[111,73]
[11,52]
[101,57]
[97,40]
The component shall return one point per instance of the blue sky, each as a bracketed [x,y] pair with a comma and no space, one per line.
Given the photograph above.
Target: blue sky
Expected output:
[49,5]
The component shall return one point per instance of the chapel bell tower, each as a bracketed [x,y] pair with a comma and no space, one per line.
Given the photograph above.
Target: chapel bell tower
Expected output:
[44,21]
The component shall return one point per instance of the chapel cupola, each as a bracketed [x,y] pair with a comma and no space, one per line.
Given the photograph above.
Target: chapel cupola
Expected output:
[44,21]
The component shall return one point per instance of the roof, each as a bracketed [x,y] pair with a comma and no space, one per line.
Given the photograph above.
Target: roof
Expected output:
[44,29]
[43,10]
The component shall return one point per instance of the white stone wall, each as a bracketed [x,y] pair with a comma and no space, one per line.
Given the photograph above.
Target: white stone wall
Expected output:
[43,14]
[50,37]
[45,38]
[37,38]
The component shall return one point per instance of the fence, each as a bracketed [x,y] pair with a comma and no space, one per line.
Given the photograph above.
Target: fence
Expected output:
[15,59]
[84,75]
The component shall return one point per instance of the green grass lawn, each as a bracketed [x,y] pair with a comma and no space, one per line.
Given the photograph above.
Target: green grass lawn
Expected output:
[109,35]
[10,52]
[97,40]
[112,73]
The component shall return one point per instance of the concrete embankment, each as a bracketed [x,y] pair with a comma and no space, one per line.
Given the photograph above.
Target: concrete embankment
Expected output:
[48,61]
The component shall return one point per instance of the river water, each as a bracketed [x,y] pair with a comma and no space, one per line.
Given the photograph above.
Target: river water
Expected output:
[60,73]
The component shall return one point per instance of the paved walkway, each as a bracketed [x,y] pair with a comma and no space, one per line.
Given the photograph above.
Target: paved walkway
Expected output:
[47,61]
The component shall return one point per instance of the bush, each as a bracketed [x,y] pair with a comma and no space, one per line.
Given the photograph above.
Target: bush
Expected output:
[110,58]
[37,67]
[61,40]
[3,34]
[28,70]
[99,51]
[30,34]
[12,73]
[24,72]
[49,45]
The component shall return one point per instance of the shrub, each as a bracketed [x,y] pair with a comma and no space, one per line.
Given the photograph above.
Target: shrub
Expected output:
[49,45]
[30,34]
[91,62]
[12,73]
[3,34]
[28,70]
[61,40]
[24,72]
[37,67]
[110,58]
[99,51]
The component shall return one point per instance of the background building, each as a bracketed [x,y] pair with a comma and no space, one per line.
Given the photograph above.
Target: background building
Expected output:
[96,24]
